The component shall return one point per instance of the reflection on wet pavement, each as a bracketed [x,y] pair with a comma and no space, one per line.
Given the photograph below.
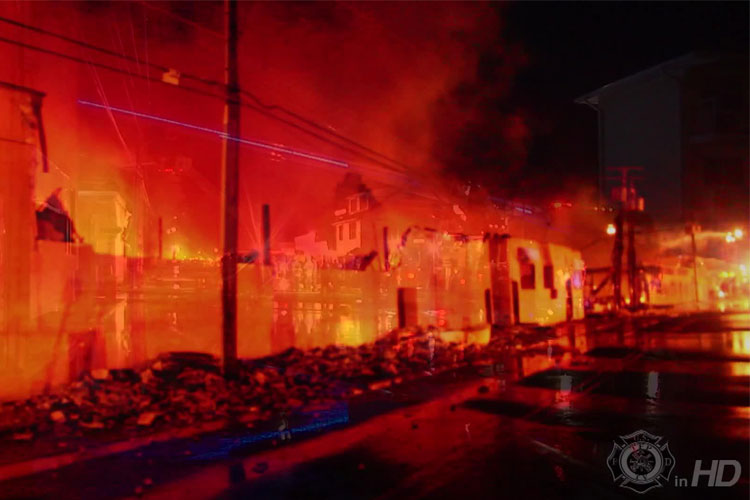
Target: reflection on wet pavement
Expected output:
[553,404]
[537,420]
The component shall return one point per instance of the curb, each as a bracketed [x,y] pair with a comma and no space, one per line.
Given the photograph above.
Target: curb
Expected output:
[48,463]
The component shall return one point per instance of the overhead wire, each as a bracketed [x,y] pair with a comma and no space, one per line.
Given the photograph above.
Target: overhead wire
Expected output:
[260,106]
[198,92]
[259,103]
[103,66]
[104,50]
[313,124]
[267,106]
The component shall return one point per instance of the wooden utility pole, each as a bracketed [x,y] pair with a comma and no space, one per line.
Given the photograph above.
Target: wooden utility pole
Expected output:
[632,264]
[266,235]
[229,193]
[625,195]
[386,250]
[617,261]
[691,228]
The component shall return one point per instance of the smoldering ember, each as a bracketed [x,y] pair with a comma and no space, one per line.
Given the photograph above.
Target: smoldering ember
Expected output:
[374,250]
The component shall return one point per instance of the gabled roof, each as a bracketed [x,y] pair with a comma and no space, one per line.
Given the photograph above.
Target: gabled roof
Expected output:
[673,67]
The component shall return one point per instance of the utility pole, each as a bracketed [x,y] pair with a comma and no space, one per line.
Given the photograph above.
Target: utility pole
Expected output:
[386,250]
[266,235]
[632,263]
[629,203]
[229,193]
[690,229]
[617,262]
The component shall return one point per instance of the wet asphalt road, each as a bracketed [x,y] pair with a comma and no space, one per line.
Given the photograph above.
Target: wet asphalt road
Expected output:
[548,434]
[539,422]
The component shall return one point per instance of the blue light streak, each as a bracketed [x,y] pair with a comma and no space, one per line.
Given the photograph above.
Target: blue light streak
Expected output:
[326,419]
[263,145]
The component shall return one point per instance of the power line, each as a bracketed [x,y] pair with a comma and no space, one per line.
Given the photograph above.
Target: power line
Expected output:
[259,107]
[219,133]
[311,123]
[102,66]
[65,38]
[214,83]
[267,106]
[163,69]
[199,92]
[256,108]
[105,50]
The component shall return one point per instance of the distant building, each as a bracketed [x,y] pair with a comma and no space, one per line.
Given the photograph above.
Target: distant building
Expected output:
[347,225]
[361,217]
[685,122]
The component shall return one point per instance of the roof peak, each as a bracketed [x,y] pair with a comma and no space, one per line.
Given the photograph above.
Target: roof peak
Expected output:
[680,63]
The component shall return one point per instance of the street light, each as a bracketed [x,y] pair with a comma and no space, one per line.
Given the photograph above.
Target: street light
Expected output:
[729,238]
[611,229]
[738,233]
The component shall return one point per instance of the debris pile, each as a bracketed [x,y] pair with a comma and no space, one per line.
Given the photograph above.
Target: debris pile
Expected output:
[182,388]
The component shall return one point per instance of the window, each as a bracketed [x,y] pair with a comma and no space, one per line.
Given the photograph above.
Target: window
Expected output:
[354,204]
[528,277]
[549,277]
[528,273]
[341,232]
[352,230]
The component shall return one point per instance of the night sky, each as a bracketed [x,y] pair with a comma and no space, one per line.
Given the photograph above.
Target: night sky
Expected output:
[575,47]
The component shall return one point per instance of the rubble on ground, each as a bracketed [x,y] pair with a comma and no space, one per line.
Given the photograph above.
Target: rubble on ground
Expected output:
[182,388]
